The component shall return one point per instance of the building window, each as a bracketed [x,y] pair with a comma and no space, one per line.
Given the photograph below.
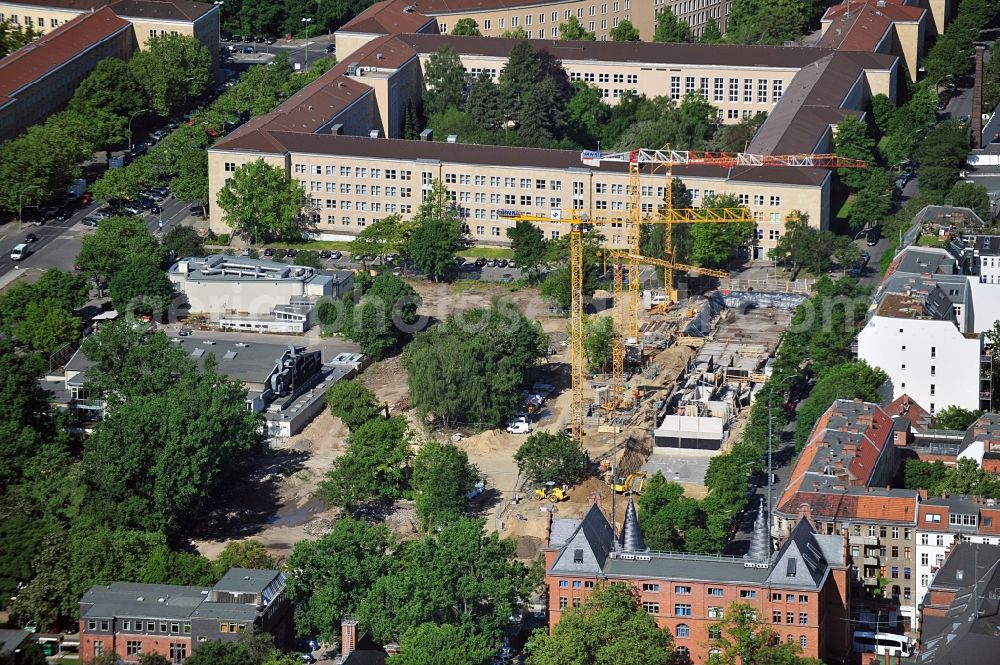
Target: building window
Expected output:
[777,88]
[776,616]
[178,652]
[91,625]
[789,617]
[803,599]
[576,601]
[748,90]
[682,610]
[715,612]
[776,597]
[746,593]
[803,641]
[230,166]
[715,633]
[654,608]
[133,647]
[734,90]
[684,653]
[563,600]
[98,648]
[683,630]
[719,91]
[650,588]
[577,584]
[803,618]
[675,87]
[105,625]
[682,590]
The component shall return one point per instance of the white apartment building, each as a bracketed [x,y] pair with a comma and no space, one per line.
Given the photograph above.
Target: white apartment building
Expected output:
[944,520]
[923,332]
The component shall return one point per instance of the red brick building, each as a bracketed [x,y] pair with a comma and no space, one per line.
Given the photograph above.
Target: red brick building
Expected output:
[801,590]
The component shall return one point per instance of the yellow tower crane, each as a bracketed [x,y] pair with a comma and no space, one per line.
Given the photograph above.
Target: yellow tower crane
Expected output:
[577,223]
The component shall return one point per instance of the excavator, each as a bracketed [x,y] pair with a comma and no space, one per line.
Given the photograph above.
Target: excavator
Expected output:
[550,491]
[633,483]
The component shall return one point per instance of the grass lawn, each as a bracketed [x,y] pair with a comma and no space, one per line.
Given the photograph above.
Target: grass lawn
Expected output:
[488,252]
[846,208]
[930,241]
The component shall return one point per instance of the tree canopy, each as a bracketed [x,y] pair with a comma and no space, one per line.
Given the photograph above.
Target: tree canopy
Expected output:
[624,32]
[442,476]
[171,70]
[853,380]
[469,369]
[260,204]
[608,628]
[374,466]
[437,231]
[545,457]
[352,402]
[669,28]
[117,240]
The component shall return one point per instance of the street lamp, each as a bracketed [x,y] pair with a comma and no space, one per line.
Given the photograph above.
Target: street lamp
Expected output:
[130,127]
[307,21]
[20,196]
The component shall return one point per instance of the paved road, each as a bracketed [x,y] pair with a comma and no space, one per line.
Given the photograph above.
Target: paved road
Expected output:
[59,242]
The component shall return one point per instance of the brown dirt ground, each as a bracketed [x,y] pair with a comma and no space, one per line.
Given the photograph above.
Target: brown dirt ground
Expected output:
[296,514]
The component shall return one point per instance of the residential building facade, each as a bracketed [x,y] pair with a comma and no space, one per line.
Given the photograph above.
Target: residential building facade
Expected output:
[841,483]
[801,591]
[945,521]
[133,619]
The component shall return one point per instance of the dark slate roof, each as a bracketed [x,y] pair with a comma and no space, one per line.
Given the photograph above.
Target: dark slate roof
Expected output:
[594,537]
[12,639]
[968,631]
[249,580]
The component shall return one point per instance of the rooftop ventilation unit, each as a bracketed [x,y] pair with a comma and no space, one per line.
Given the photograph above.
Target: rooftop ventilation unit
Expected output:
[452,138]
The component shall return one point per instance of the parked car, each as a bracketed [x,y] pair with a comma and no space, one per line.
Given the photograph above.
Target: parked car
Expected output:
[306,658]
[132,208]
[518,427]
[330,48]
[873,237]
[185,331]
[324,254]
[492,263]
[335,255]
[268,251]
[90,221]
[249,49]
[291,253]
[480,262]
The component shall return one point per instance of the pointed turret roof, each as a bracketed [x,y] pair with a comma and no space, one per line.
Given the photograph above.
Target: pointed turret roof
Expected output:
[760,539]
[631,533]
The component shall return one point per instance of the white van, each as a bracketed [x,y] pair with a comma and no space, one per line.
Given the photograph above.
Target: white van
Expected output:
[880,643]
[20,251]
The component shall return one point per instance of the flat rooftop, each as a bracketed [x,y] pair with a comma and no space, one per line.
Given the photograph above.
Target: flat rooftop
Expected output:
[224,268]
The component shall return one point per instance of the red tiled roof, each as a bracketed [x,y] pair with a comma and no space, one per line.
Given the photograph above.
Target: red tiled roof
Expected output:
[904,406]
[939,525]
[172,10]
[55,48]
[865,25]
[388,17]
[874,507]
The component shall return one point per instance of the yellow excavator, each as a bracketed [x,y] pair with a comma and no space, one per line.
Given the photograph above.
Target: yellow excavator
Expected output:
[633,483]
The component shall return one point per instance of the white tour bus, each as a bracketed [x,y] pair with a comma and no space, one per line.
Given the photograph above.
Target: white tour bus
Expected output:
[879,643]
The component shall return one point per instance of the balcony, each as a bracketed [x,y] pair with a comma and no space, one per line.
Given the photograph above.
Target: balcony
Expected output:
[871,561]
[870,581]
[867,541]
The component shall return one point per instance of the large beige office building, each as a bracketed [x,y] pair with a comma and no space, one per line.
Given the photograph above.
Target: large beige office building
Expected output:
[337,137]
[40,78]
[539,19]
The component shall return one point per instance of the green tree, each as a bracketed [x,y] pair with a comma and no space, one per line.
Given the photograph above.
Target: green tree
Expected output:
[332,575]
[13,37]
[940,156]
[354,404]
[442,476]
[470,368]
[179,429]
[381,238]
[436,233]
[445,644]
[444,81]
[855,380]
[385,317]
[528,244]
[517,33]
[955,418]
[191,182]
[183,241]
[767,21]
[533,90]
[573,30]
[805,247]
[598,339]
[373,466]
[466,27]
[484,106]
[172,71]
[545,457]
[242,554]
[970,195]
[457,576]
[110,87]
[118,239]
[26,422]
[586,115]
[852,141]
[610,627]
[710,34]
[746,640]
[715,244]
[124,183]
[624,32]
[141,288]
[259,203]
[872,204]
[47,326]
[736,137]
[668,28]
[153,658]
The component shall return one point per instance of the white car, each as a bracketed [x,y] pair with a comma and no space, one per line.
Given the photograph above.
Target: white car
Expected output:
[519,427]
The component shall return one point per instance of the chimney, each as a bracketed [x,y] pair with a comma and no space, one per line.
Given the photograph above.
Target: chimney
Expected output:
[391,649]
[452,138]
[976,114]
[337,129]
[595,498]
[427,135]
[348,637]
[923,494]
